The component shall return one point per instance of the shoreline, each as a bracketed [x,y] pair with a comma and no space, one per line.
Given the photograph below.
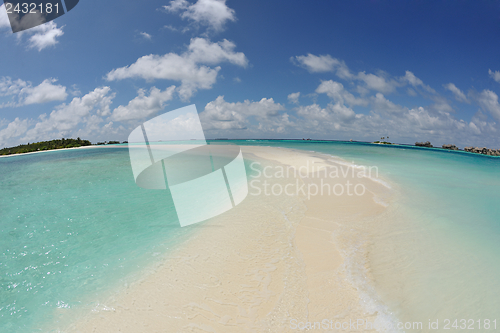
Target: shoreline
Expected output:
[395,145]
[61,149]
[262,265]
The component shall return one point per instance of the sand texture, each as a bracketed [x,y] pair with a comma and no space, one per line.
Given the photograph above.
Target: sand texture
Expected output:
[258,267]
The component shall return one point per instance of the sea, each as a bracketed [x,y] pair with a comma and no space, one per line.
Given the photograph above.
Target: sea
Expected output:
[74,226]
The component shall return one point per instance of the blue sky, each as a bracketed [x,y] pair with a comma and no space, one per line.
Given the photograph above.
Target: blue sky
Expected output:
[410,70]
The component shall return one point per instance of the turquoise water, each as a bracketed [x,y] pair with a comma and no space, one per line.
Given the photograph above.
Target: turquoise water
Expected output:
[74,225]
[439,258]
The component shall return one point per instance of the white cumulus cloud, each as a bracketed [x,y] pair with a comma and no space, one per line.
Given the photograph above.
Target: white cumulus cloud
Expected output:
[384,106]
[43,93]
[24,93]
[322,120]
[143,105]
[65,118]
[41,36]
[294,98]
[380,82]
[489,102]
[416,82]
[9,87]
[146,35]
[211,13]
[494,75]
[190,67]
[44,35]
[15,128]
[220,114]
[316,64]
[336,91]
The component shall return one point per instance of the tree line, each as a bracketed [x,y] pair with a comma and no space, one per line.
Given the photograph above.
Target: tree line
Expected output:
[45,145]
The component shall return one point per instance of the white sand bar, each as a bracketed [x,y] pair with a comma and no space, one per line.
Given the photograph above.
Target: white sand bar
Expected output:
[271,263]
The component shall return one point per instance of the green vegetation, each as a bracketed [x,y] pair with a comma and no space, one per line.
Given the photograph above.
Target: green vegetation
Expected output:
[109,143]
[45,145]
[383,142]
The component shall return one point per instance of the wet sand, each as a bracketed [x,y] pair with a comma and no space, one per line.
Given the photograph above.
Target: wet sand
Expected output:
[272,264]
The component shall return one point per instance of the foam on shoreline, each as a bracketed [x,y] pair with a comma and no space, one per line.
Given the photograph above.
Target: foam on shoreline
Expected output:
[272,262]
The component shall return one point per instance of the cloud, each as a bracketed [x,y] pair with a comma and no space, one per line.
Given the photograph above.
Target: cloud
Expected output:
[42,36]
[211,13]
[24,93]
[474,128]
[488,100]
[43,93]
[74,90]
[78,118]
[201,50]
[146,35]
[416,82]
[316,64]
[66,118]
[15,128]
[143,106]
[382,105]
[220,114]
[336,91]
[494,75]
[381,82]
[479,124]
[440,104]
[459,95]
[4,18]
[378,82]
[9,87]
[294,98]
[189,67]
[171,28]
[334,116]
[325,63]
[362,90]
[339,121]
[424,121]
[411,92]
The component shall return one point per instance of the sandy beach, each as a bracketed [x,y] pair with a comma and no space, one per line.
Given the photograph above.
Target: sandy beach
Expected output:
[278,262]
[61,149]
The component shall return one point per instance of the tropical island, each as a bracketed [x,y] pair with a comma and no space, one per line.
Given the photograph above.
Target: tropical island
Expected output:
[427,144]
[383,142]
[45,145]
[74,143]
